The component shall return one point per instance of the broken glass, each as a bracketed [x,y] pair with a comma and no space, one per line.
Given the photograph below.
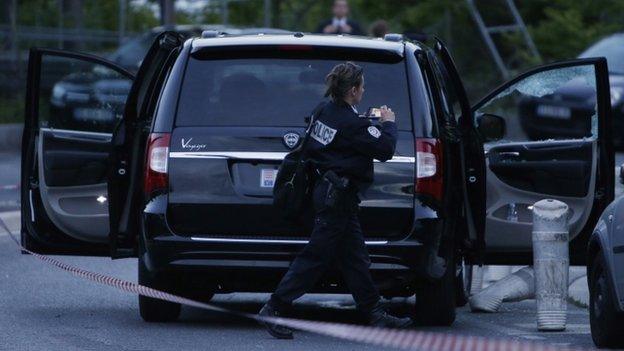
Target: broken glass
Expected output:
[553,104]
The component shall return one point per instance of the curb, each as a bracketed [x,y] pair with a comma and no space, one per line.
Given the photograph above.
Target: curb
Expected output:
[11,136]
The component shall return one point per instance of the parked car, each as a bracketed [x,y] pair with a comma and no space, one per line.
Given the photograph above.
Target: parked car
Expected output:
[184,182]
[563,112]
[97,96]
[605,272]
[131,54]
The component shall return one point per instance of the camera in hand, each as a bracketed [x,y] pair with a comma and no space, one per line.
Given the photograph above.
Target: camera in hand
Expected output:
[372,113]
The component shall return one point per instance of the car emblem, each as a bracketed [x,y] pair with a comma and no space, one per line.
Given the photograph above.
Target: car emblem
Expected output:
[291,140]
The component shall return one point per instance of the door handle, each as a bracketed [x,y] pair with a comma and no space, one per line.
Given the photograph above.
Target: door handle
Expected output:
[509,153]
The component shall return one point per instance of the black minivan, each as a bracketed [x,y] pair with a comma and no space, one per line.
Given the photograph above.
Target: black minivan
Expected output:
[182,179]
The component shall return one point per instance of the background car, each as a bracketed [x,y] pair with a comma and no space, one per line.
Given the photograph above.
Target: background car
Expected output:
[131,54]
[97,96]
[605,272]
[563,112]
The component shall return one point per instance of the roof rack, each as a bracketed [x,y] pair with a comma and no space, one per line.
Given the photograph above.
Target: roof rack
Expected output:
[394,37]
[210,34]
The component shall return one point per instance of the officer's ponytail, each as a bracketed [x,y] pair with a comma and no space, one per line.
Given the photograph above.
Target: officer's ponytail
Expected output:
[341,79]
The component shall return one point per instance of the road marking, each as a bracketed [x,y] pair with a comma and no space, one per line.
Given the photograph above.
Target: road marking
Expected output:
[532,337]
[9,187]
[12,219]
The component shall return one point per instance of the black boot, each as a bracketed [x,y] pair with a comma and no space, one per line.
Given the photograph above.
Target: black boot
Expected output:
[277,331]
[379,317]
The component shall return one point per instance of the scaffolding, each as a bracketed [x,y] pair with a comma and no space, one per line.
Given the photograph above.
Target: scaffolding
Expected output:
[487,33]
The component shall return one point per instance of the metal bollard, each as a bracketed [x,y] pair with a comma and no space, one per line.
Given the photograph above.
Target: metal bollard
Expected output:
[551,263]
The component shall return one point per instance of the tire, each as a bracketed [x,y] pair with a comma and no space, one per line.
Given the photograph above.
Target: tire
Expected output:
[435,300]
[155,310]
[607,325]
[463,282]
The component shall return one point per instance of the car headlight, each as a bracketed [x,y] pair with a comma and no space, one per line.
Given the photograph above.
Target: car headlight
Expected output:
[616,94]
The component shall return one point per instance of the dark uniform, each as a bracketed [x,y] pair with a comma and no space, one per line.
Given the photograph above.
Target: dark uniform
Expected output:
[346,144]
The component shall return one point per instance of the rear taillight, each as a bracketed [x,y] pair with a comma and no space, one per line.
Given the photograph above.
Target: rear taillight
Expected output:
[429,180]
[156,176]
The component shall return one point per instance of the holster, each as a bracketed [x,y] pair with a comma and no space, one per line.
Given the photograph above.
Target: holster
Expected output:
[340,195]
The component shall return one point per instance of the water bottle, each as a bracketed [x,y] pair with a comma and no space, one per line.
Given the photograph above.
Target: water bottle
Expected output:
[512,213]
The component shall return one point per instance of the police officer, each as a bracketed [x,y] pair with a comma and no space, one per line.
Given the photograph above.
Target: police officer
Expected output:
[342,148]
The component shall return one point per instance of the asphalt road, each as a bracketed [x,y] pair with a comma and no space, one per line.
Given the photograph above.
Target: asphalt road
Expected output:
[9,180]
[44,308]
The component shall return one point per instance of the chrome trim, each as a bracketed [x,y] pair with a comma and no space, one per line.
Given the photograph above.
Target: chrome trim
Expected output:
[509,153]
[224,262]
[230,155]
[32,209]
[78,132]
[270,241]
[245,155]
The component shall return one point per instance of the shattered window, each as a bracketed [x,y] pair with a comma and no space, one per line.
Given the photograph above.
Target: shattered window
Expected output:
[554,104]
[80,95]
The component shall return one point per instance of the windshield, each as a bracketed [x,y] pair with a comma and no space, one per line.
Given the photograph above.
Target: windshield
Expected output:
[612,48]
[278,92]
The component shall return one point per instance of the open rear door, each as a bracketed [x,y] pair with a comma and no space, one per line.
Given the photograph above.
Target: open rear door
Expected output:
[74,101]
[129,142]
[471,154]
[557,145]
[85,127]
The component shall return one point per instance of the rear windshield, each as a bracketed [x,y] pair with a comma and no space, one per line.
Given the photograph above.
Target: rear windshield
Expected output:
[278,92]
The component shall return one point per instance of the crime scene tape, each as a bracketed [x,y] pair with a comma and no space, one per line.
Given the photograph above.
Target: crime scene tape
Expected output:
[400,339]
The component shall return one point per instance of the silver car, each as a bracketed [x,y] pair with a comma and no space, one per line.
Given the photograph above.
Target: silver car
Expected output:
[605,272]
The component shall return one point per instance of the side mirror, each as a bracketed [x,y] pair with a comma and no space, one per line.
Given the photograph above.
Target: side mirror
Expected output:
[622,173]
[491,127]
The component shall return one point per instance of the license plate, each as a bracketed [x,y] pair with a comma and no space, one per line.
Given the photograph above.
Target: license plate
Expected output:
[93,114]
[557,112]
[267,178]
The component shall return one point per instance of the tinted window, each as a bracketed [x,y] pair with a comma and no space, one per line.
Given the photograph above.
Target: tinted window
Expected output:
[278,92]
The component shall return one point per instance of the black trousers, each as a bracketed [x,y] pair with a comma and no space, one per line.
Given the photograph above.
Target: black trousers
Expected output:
[337,239]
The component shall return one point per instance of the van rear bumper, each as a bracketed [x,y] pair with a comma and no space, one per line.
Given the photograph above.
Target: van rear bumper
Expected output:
[257,266]
[214,252]
[242,259]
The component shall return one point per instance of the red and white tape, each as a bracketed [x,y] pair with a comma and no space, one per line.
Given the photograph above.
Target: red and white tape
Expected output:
[401,339]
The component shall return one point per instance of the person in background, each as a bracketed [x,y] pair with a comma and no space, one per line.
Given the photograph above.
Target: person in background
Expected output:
[379,29]
[340,23]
